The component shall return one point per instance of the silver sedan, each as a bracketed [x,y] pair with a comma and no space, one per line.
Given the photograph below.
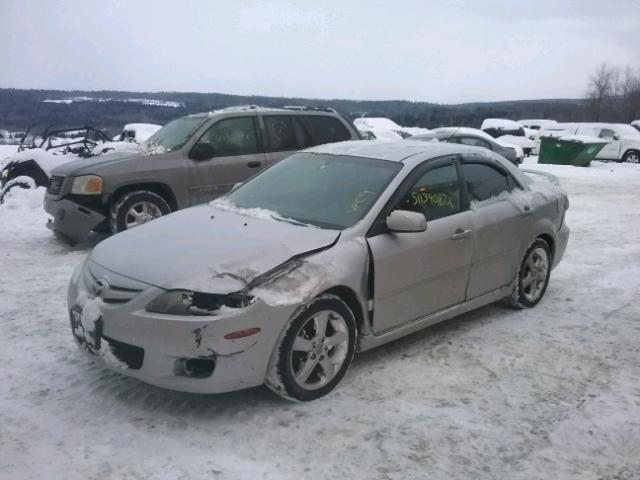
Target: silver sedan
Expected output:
[334,250]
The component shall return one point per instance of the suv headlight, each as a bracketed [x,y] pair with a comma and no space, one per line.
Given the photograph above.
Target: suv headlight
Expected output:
[87,185]
[5,173]
[186,302]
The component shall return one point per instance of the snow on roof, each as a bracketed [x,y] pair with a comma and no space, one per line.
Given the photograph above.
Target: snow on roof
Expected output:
[536,121]
[463,131]
[500,124]
[415,130]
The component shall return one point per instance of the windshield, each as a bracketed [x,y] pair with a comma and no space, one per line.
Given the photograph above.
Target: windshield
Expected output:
[327,191]
[174,134]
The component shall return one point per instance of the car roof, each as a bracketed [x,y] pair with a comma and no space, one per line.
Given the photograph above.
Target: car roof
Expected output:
[396,151]
[291,110]
[456,132]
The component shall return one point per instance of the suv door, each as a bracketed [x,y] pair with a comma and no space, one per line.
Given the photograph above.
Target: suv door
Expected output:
[416,274]
[237,155]
[498,226]
[283,136]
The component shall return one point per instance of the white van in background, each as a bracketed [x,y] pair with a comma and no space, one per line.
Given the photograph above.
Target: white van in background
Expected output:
[623,139]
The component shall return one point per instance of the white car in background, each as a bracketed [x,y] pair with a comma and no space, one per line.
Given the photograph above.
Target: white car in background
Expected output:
[636,124]
[380,128]
[509,131]
[532,127]
[623,140]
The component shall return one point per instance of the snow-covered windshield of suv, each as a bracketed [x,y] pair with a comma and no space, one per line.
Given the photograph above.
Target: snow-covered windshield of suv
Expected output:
[173,135]
[327,191]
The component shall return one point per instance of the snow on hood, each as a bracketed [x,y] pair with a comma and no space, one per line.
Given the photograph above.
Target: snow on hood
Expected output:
[47,160]
[207,249]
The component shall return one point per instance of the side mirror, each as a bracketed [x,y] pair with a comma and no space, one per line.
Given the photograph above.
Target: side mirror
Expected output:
[202,151]
[616,137]
[406,221]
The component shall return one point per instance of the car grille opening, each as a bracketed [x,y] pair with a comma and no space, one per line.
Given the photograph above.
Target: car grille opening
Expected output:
[109,293]
[131,355]
[55,185]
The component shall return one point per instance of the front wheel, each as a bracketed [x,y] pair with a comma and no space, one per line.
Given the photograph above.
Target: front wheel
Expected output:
[137,208]
[315,351]
[532,279]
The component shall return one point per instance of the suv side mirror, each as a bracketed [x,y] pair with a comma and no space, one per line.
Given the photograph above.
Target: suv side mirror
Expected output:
[406,221]
[202,151]
[616,137]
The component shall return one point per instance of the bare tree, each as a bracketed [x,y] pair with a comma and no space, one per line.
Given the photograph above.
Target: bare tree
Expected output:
[627,92]
[601,87]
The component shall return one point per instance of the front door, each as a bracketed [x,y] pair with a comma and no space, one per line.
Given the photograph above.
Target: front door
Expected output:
[416,274]
[611,151]
[237,156]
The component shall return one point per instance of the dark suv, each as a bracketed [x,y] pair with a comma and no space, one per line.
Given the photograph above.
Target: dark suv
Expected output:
[189,161]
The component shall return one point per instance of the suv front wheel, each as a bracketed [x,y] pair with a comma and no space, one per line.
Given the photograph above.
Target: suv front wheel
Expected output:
[137,208]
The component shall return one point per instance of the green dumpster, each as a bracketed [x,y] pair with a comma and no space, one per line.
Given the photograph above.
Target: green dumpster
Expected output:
[577,150]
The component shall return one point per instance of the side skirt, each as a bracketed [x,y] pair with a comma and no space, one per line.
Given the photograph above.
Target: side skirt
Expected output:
[368,342]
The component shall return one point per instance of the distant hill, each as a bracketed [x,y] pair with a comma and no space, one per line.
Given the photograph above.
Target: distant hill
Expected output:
[110,110]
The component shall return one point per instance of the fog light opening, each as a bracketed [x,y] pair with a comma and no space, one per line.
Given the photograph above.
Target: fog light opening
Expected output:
[195,367]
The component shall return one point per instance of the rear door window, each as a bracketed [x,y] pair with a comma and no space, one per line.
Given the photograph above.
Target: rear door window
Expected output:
[607,134]
[326,129]
[474,142]
[280,133]
[484,181]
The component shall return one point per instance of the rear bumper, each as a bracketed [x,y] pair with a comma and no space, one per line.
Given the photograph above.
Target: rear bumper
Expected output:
[71,221]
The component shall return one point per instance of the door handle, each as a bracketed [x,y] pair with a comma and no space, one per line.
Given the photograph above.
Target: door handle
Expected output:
[460,233]
[254,164]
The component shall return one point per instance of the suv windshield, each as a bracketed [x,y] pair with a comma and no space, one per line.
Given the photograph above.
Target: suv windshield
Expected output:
[328,191]
[174,134]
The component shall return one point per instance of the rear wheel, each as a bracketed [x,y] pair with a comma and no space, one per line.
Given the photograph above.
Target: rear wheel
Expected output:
[315,351]
[532,279]
[632,156]
[137,208]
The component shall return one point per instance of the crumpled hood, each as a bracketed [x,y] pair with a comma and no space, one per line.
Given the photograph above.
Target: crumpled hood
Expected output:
[206,249]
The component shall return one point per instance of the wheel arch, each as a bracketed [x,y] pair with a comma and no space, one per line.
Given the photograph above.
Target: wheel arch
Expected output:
[628,151]
[550,241]
[28,168]
[348,296]
[158,188]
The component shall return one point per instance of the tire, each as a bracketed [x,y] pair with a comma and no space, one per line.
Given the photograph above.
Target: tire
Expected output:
[537,262]
[146,204]
[306,363]
[25,183]
[632,156]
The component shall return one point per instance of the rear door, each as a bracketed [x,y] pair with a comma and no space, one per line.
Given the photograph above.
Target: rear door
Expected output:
[416,274]
[238,156]
[498,225]
[325,129]
[283,135]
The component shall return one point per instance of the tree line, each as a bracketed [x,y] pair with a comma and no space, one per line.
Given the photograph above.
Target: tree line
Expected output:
[613,95]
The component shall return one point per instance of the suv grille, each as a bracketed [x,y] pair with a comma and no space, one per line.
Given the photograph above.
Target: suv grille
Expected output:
[55,185]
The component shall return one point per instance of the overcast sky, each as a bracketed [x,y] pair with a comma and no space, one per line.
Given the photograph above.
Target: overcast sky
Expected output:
[453,51]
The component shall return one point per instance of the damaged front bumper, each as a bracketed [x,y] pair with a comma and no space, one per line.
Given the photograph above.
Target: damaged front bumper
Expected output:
[71,221]
[185,353]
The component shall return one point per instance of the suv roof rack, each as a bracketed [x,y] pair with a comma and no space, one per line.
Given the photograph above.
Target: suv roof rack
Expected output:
[309,108]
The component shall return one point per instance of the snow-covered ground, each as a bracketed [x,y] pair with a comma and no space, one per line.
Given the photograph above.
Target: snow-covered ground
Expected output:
[552,392]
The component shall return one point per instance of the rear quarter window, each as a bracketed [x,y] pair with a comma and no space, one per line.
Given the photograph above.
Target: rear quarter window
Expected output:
[325,129]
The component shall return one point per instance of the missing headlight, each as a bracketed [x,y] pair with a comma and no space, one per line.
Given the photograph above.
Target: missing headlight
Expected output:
[184,302]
